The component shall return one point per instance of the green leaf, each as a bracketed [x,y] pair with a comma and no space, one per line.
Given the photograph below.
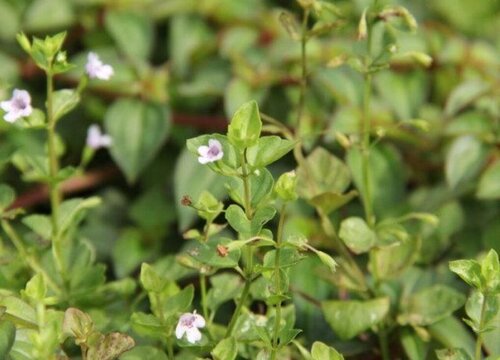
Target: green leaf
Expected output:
[320,351]
[430,305]
[390,262]
[10,20]
[179,302]
[248,228]
[226,349]
[452,354]
[452,333]
[352,317]
[40,224]
[150,280]
[468,270]
[7,197]
[260,185]
[138,130]
[491,337]
[463,95]
[464,160]
[322,173]
[267,150]
[225,287]
[144,352]
[47,15]
[489,183]
[475,305]
[330,201]
[64,101]
[147,325]
[132,31]
[20,310]
[213,253]
[357,235]
[71,211]
[7,337]
[414,347]
[490,271]
[244,129]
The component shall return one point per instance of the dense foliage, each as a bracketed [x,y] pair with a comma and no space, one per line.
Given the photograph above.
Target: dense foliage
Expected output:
[309,179]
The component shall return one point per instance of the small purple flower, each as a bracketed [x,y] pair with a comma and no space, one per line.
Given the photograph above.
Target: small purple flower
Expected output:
[96,69]
[188,324]
[18,106]
[210,153]
[96,139]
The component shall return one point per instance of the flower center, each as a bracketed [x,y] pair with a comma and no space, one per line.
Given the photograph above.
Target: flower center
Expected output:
[20,104]
[188,321]
[213,151]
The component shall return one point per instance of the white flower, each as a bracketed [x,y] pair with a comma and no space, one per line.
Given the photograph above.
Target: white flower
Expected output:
[188,324]
[96,139]
[18,106]
[96,69]
[210,153]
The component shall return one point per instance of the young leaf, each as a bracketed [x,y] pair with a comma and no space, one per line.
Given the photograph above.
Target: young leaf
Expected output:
[226,349]
[357,235]
[244,129]
[489,183]
[352,317]
[267,150]
[464,160]
[321,351]
[468,270]
[64,101]
[7,338]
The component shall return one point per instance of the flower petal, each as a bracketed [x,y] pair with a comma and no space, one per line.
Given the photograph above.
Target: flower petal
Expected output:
[180,330]
[193,335]
[199,321]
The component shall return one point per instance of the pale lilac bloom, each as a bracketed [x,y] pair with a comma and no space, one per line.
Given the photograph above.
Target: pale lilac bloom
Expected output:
[18,106]
[188,324]
[96,69]
[210,153]
[96,139]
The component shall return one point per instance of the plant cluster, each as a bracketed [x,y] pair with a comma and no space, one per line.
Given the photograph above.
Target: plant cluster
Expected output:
[322,221]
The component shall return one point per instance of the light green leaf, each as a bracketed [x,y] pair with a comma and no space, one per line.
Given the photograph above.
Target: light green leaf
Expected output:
[322,173]
[321,351]
[267,150]
[132,31]
[147,325]
[64,101]
[70,213]
[489,183]
[476,303]
[215,253]
[10,20]
[7,337]
[47,15]
[452,333]
[248,228]
[415,348]
[430,305]
[244,129]
[352,317]
[357,235]
[468,270]
[464,160]
[329,201]
[226,349]
[463,95]
[138,130]
[35,289]
[225,286]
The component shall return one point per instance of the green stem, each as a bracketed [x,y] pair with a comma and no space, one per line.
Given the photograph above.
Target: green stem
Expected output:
[239,307]
[55,195]
[479,340]
[25,255]
[170,348]
[303,79]
[384,344]
[277,284]
[365,149]
[203,290]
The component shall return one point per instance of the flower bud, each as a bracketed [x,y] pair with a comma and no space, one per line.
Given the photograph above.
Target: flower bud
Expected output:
[285,186]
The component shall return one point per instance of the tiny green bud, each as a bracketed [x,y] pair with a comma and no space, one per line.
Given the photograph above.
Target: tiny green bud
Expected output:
[420,57]
[362,27]
[285,186]
[343,140]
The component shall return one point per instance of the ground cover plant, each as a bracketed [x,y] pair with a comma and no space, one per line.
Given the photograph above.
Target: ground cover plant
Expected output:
[251,179]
